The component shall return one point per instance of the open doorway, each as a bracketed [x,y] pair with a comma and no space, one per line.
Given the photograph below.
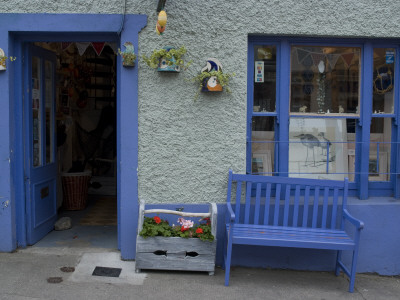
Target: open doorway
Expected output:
[86,148]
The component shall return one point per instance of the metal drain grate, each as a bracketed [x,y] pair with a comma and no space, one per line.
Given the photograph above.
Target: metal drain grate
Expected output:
[107,272]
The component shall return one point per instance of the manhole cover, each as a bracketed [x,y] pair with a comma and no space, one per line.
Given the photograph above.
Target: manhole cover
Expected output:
[67,269]
[108,272]
[54,279]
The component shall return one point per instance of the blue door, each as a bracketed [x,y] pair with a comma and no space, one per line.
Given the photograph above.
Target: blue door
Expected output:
[40,145]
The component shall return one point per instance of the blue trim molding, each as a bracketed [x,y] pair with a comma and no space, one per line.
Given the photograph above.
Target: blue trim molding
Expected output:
[15,31]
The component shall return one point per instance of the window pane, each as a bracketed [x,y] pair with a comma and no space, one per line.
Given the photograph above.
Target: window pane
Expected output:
[48,75]
[263,144]
[36,112]
[325,79]
[264,78]
[319,148]
[383,96]
[379,149]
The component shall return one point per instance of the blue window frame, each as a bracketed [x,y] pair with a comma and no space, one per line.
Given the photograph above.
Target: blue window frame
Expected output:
[325,108]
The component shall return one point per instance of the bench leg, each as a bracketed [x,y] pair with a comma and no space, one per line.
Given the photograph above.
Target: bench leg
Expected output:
[228,259]
[353,270]
[338,259]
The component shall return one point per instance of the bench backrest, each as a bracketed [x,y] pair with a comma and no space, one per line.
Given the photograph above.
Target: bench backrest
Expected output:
[287,201]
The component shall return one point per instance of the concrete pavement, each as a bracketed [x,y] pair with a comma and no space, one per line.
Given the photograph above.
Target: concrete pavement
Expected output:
[24,274]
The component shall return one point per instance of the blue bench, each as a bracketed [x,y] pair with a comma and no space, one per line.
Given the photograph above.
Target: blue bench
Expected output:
[290,212]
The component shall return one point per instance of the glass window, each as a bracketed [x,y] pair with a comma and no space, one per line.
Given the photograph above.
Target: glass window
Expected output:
[325,80]
[383,81]
[379,149]
[36,112]
[312,112]
[319,148]
[263,145]
[48,75]
[264,79]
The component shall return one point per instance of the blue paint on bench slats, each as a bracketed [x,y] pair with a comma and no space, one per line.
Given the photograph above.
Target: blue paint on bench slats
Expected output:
[286,223]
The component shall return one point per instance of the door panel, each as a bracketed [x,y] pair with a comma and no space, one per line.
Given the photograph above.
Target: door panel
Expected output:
[40,148]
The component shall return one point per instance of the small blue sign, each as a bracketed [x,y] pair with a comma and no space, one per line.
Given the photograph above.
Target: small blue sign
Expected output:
[389,57]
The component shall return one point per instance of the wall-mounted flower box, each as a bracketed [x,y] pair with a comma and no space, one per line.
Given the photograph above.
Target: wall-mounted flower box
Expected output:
[128,55]
[193,252]
[211,78]
[167,59]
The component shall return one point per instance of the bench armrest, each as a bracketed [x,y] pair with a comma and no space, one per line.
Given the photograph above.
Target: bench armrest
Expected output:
[359,224]
[230,211]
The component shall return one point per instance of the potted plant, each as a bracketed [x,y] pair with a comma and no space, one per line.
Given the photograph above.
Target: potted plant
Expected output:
[186,245]
[167,59]
[212,79]
[128,55]
[3,59]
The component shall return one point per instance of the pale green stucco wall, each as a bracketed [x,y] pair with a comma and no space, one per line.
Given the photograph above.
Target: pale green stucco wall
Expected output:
[187,147]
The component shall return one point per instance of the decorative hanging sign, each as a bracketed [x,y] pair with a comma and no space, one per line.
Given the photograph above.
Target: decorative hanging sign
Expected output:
[389,57]
[332,59]
[65,45]
[98,47]
[348,57]
[259,71]
[82,46]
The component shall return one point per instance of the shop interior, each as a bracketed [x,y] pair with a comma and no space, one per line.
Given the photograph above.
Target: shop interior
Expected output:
[86,141]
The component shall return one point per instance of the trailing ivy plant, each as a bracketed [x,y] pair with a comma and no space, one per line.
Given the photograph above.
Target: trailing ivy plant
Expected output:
[177,54]
[222,78]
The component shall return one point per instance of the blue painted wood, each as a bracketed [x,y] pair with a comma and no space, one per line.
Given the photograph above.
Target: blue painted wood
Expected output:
[15,30]
[257,206]
[365,121]
[41,191]
[323,233]
[267,203]
[238,197]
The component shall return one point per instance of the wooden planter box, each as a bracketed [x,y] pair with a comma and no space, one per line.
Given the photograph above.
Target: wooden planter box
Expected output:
[175,253]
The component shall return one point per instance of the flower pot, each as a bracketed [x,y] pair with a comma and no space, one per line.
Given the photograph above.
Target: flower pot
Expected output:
[164,66]
[211,84]
[128,63]
[168,65]
[2,64]
[175,253]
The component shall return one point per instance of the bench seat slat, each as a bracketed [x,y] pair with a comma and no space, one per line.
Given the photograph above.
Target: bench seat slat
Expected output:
[273,236]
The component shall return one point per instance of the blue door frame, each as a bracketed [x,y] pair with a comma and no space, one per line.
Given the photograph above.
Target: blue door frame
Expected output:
[15,31]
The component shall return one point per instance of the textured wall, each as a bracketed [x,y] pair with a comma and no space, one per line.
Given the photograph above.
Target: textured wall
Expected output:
[186,147]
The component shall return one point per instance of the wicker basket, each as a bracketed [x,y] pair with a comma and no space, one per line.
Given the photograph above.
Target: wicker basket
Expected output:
[75,189]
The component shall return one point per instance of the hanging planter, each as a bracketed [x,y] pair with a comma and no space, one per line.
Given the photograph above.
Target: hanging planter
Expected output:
[128,55]
[212,79]
[3,59]
[167,59]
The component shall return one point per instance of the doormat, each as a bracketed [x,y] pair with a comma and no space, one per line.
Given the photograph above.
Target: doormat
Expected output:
[102,213]
[107,272]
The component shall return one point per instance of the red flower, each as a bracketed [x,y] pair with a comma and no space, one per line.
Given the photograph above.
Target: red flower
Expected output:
[157,219]
[199,230]
[184,228]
